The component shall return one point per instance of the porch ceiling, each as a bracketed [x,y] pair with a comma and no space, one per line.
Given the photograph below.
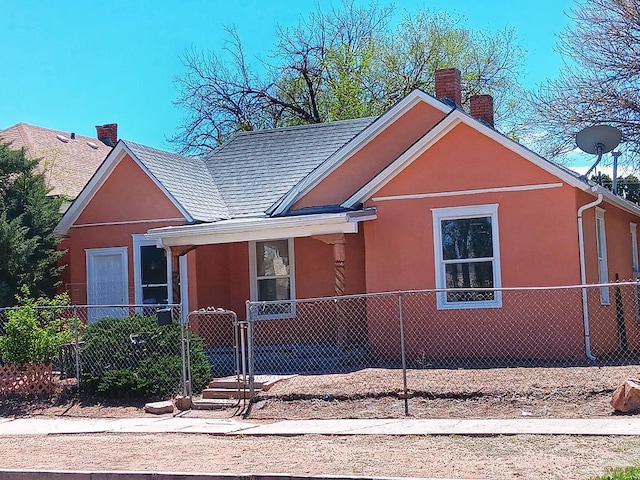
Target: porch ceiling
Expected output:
[260,228]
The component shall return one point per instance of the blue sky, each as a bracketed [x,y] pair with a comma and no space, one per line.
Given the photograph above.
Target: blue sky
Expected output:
[73,65]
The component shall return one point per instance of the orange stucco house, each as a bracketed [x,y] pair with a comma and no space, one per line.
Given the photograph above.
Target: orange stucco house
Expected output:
[425,196]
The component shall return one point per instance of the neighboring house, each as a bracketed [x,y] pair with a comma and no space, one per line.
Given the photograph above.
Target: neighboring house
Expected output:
[67,160]
[424,196]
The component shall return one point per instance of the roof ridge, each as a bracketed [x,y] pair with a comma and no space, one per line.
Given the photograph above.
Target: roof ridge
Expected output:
[26,127]
[307,125]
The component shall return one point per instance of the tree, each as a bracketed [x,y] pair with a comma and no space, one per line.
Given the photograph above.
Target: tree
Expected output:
[627,187]
[28,254]
[599,83]
[346,63]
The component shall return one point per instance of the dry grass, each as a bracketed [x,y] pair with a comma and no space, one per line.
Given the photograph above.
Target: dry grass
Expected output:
[443,393]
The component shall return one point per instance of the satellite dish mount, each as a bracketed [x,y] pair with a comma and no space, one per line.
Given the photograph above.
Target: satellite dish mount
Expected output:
[598,140]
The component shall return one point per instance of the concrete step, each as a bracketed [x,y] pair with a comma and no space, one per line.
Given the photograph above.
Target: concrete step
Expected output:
[224,393]
[213,404]
[261,382]
[232,384]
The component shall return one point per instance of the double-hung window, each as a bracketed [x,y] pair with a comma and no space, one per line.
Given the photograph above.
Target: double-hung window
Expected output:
[272,277]
[152,274]
[467,256]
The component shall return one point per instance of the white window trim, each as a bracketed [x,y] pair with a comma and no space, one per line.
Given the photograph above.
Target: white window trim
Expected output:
[601,253]
[253,284]
[142,241]
[439,214]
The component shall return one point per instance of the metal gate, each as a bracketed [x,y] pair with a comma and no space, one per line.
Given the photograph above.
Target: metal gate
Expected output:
[223,340]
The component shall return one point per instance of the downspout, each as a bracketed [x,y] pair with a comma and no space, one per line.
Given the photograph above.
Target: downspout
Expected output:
[583,276]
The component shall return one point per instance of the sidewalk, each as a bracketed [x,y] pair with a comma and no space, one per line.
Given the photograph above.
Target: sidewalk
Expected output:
[533,426]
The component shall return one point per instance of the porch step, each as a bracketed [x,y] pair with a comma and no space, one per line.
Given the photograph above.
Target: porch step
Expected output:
[212,404]
[232,384]
[225,393]
[260,382]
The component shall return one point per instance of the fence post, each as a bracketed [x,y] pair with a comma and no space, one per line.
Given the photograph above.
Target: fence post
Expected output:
[76,349]
[183,323]
[404,356]
[250,352]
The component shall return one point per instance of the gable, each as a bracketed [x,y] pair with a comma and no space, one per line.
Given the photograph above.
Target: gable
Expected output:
[464,160]
[382,149]
[127,195]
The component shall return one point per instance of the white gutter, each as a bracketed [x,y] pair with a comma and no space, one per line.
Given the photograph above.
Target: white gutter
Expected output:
[583,276]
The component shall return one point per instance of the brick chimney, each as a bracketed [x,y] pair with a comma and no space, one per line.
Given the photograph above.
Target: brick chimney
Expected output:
[448,84]
[481,107]
[108,133]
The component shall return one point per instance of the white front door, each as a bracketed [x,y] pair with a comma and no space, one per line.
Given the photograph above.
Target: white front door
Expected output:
[107,282]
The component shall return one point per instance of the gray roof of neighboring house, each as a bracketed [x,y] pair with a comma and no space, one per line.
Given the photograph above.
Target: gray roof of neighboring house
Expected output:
[250,172]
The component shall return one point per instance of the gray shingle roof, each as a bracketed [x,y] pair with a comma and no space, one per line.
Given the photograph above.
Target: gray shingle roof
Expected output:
[254,169]
[250,172]
[187,179]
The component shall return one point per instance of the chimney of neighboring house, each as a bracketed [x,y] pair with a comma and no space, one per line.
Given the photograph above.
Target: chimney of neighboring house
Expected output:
[481,107]
[108,133]
[448,84]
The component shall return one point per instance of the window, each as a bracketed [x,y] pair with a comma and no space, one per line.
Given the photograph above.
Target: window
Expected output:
[152,272]
[272,276]
[467,256]
[601,246]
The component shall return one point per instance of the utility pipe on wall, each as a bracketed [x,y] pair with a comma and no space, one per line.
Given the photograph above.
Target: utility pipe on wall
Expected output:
[583,275]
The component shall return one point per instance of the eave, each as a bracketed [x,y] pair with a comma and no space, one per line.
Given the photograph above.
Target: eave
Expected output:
[260,228]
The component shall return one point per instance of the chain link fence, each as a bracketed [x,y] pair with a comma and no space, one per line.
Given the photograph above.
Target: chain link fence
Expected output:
[406,331]
[119,350]
[154,351]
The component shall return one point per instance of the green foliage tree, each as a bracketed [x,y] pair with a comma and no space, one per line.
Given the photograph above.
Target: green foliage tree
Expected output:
[346,63]
[627,187]
[28,217]
[599,83]
[35,329]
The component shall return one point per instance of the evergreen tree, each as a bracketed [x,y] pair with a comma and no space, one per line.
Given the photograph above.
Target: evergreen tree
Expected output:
[28,254]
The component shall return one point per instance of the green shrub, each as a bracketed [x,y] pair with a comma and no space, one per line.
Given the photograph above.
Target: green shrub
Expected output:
[33,334]
[629,473]
[136,357]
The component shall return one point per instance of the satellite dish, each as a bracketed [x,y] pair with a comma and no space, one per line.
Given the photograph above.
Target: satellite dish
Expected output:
[598,140]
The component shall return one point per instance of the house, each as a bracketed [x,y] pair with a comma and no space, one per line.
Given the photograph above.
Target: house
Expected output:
[425,196]
[67,160]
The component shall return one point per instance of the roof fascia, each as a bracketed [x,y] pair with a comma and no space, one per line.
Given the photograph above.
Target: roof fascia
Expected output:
[160,185]
[350,148]
[615,200]
[256,229]
[98,179]
[440,131]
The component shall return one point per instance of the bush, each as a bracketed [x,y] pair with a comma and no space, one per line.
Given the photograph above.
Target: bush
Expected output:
[135,357]
[33,334]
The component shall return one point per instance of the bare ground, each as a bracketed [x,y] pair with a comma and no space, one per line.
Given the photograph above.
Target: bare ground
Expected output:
[373,393]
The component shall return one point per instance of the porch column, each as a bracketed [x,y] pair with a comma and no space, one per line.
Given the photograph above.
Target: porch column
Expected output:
[337,240]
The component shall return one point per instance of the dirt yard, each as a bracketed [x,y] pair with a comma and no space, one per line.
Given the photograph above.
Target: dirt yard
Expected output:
[498,393]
